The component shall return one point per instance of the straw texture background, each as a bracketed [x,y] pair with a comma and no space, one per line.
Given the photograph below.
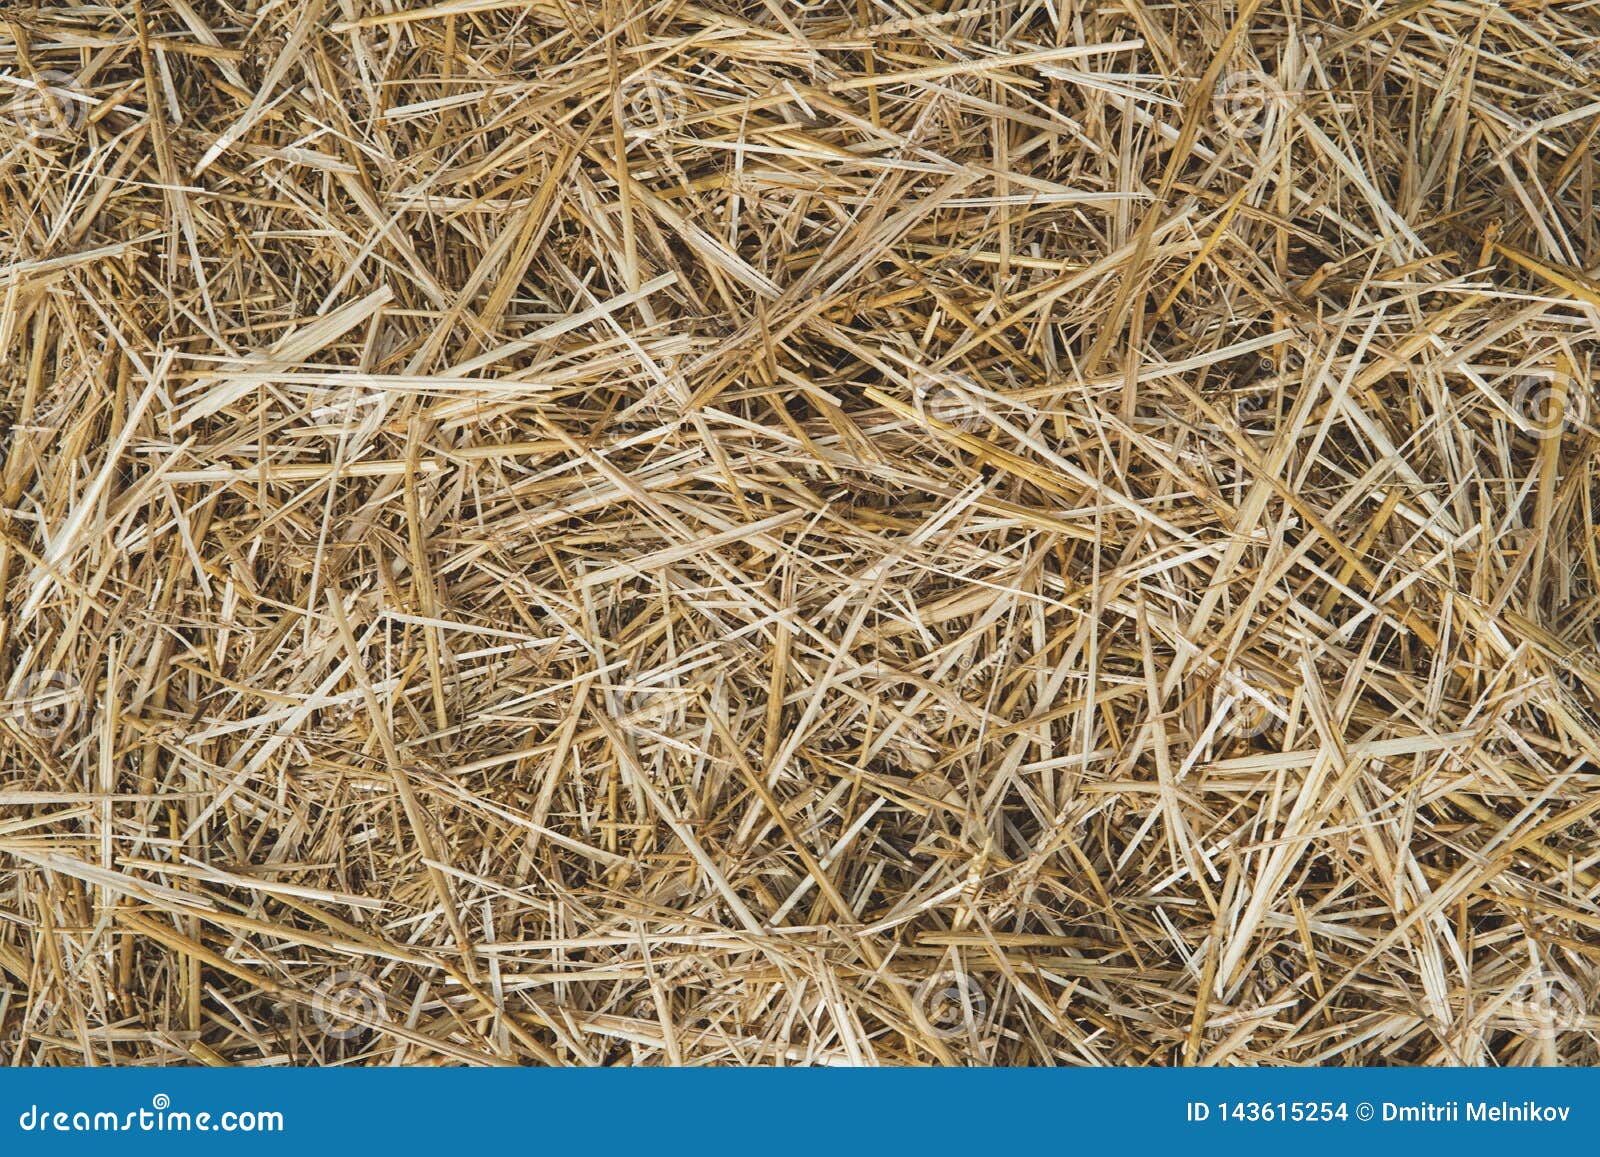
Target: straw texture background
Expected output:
[587,532]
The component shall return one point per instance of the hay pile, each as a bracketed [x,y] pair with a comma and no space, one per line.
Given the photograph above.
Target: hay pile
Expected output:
[858,532]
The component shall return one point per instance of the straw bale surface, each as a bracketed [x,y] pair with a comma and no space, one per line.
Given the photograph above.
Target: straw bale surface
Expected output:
[585,532]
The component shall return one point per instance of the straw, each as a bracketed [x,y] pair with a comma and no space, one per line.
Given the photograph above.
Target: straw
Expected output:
[642,532]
